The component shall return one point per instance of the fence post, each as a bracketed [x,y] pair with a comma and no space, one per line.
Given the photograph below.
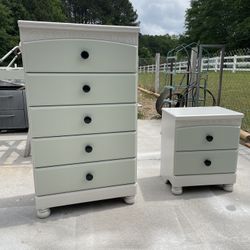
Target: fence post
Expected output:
[235,63]
[157,72]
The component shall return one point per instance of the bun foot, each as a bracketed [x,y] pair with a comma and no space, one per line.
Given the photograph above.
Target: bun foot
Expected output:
[176,190]
[43,213]
[228,187]
[129,200]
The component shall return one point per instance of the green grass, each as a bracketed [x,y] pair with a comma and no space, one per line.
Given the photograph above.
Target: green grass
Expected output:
[235,89]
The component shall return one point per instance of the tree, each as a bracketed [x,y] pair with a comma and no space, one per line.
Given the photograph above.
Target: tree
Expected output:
[219,21]
[116,12]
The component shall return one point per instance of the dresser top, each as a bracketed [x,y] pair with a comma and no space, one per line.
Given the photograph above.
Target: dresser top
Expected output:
[201,113]
[34,30]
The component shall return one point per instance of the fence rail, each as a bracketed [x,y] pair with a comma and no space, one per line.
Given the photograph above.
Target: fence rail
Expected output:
[231,63]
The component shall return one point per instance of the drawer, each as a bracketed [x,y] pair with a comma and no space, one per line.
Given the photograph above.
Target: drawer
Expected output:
[44,89]
[205,162]
[11,99]
[80,149]
[84,176]
[79,55]
[75,120]
[207,138]
[13,119]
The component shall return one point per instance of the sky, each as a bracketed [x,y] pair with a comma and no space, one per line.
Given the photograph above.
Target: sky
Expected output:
[160,17]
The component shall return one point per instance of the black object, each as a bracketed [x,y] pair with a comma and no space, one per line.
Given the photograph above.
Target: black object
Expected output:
[87,119]
[207,163]
[88,149]
[86,88]
[209,138]
[85,54]
[13,107]
[89,177]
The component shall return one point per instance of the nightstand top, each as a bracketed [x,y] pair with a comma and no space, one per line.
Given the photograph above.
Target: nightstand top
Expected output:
[201,113]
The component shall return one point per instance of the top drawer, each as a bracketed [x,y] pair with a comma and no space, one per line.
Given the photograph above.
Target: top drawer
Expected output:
[11,99]
[79,55]
[207,138]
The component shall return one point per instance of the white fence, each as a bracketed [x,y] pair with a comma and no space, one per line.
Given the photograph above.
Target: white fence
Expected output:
[231,63]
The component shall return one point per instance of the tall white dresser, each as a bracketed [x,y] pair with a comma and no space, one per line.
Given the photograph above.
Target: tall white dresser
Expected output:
[81,85]
[199,146]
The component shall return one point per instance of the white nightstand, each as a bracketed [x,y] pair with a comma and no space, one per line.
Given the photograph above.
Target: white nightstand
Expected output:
[199,146]
[81,85]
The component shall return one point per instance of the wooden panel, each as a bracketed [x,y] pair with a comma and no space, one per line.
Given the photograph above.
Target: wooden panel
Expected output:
[74,177]
[221,161]
[72,149]
[195,138]
[67,89]
[75,120]
[64,55]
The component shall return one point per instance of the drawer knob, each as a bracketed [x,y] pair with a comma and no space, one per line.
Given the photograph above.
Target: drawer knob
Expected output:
[207,163]
[87,119]
[85,54]
[89,177]
[209,138]
[86,88]
[88,149]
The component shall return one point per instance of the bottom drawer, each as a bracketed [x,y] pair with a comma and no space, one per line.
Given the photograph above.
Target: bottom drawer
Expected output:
[12,119]
[205,162]
[69,178]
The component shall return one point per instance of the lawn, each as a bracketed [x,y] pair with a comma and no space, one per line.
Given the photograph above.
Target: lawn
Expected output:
[235,89]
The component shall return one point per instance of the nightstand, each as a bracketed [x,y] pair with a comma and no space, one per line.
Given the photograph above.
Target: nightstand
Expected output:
[199,146]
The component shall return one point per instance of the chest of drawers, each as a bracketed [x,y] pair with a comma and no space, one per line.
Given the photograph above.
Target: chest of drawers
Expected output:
[199,146]
[82,105]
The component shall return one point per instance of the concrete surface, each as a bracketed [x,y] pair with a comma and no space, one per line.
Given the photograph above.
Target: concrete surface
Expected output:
[201,218]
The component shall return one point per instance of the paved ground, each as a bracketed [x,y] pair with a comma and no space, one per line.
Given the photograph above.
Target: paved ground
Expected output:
[202,218]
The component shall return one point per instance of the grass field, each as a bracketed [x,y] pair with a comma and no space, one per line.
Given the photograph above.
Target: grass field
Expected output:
[235,89]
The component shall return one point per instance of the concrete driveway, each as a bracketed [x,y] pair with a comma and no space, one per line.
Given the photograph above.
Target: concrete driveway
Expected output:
[201,218]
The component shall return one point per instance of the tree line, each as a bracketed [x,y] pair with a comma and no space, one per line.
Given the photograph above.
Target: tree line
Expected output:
[206,21]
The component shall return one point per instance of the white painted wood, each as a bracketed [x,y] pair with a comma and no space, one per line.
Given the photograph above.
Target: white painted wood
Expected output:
[73,177]
[73,120]
[36,31]
[62,89]
[157,72]
[193,162]
[72,149]
[184,147]
[199,113]
[195,138]
[43,89]
[56,200]
[201,180]
[64,55]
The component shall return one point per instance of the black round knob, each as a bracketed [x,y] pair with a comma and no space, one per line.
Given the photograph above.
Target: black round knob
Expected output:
[86,88]
[87,119]
[85,54]
[88,149]
[209,138]
[207,163]
[89,177]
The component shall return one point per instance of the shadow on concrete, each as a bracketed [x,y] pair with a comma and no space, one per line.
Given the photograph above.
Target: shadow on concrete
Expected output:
[20,210]
[154,189]
[11,153]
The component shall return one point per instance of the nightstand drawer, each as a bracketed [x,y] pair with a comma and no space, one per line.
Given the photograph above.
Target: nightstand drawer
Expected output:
[79,55]
[72,89]
[205,162]
[85,148]
[11,99]
[84,176]
[88,119]
[207,138]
